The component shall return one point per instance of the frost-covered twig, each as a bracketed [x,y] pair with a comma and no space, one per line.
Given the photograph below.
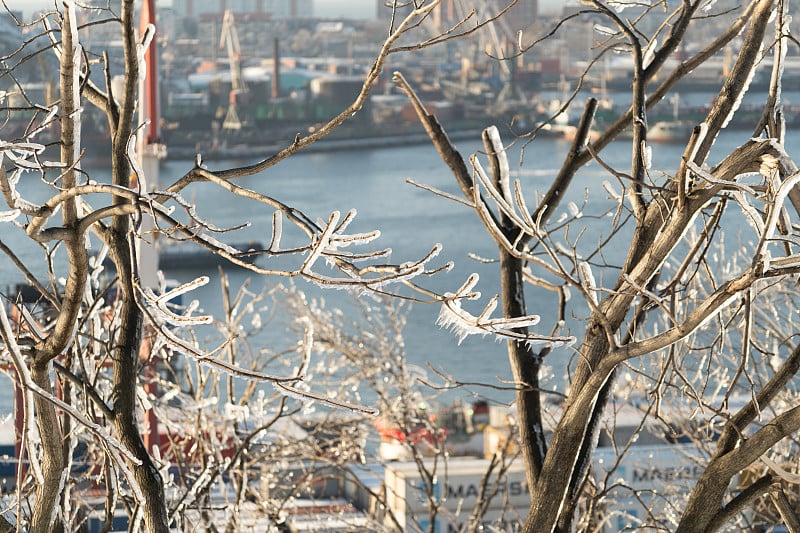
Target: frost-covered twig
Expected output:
[13,349]
[162,321]
[773,213]
[161,317]
[439,192]
[453,316]
[308,396]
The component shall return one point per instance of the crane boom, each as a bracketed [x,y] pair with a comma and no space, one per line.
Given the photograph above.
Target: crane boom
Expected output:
[229,40]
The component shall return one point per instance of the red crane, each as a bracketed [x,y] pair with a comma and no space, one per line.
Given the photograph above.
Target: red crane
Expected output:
[151,78]
[151,151]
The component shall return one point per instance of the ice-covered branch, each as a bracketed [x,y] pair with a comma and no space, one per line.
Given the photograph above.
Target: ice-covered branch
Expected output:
[773,212]
[164,315]
[308,396]
[15,352]
[500,197]
[452,315]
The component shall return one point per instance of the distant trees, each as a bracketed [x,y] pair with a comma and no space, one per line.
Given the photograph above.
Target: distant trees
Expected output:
[695,308]
[90,353]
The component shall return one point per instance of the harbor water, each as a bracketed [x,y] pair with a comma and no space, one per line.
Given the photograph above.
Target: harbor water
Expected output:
[411,221]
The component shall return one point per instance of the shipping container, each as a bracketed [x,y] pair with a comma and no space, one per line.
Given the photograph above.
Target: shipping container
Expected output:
[650,480]
[457,485]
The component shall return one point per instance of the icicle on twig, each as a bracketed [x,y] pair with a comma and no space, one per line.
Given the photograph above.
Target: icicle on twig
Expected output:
[461,322]
[165,315]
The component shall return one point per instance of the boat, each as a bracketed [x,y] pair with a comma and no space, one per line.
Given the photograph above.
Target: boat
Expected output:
[187,255]
[670,131]
[458,428]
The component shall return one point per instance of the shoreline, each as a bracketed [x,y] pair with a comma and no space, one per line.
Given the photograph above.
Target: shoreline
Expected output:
[324,145]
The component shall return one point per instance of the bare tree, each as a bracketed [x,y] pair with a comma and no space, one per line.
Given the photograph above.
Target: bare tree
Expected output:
[669,218]
[362,356]
[123,324]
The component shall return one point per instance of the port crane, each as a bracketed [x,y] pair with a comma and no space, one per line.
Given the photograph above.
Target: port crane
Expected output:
[229,40]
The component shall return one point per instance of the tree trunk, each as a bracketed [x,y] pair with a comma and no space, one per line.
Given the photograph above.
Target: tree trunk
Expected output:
[126,358]
[525,366]
[48,492]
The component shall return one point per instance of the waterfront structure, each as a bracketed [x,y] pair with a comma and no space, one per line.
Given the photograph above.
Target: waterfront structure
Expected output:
[278,9]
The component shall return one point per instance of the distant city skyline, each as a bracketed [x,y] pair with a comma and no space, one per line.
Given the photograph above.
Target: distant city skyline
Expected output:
[322,8]
[360,9]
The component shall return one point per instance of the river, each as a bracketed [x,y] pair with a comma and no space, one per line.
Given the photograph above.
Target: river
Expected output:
[411,221]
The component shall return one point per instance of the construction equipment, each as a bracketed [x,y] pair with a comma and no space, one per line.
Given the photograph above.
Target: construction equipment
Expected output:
[229,40]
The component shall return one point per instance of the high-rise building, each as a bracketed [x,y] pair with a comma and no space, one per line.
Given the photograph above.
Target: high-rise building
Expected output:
[448,12]
[523,13]
[274,8]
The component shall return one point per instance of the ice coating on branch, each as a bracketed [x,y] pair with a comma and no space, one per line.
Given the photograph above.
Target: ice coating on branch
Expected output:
[647,155]
[745,86]
[462,323]
[774,212]
[490,307]
[790,261]
[621,5]
[649,53]
[134,160]
[588,280]
[144,398]
[502,158]
[184,288]
[611,191]
[503,198]
[24,148]
[357,238]
[604,30]
[323,240]
[784,474]
[19,153]
[238,413]
[157,304]
[277,232]
[290,392]
[69,8]
[228,249]
[141,49]
[752,216]
[46,122]
[308,397]
[8,216]
[566,251]
[465,291]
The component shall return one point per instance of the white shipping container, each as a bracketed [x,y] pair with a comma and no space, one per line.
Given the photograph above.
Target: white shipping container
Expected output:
[456,485]
[652,480]
[665,466]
